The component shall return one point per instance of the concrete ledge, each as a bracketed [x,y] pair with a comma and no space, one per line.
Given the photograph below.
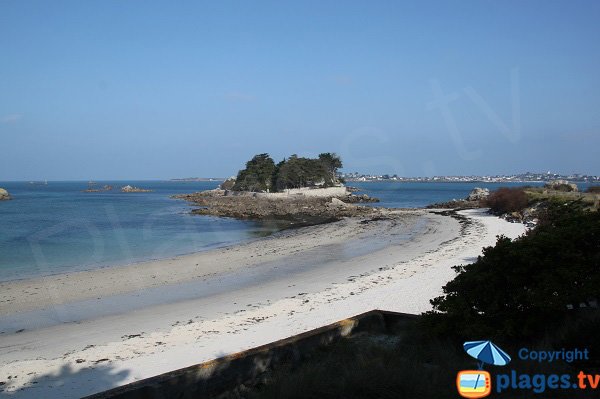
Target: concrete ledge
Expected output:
[219,376]
[340,191]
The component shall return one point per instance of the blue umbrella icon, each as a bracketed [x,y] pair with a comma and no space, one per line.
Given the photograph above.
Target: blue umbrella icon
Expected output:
[486,352]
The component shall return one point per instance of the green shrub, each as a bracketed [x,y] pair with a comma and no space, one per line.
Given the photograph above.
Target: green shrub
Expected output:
[261,173]
[520,288]
[257,176]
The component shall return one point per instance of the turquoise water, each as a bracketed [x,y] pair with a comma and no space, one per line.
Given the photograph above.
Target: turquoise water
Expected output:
[53,228]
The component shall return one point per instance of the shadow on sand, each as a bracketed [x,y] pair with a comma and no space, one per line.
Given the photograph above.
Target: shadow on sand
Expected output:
[67,383]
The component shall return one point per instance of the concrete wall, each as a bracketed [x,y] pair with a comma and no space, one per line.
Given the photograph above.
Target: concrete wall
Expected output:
[308,192]
[216,377]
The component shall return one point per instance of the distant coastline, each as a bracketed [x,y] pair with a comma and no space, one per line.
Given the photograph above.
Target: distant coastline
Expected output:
[526,177]
[516,178]
[184,179]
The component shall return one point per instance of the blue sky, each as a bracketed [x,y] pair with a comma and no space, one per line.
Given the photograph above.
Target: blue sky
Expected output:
[132,89]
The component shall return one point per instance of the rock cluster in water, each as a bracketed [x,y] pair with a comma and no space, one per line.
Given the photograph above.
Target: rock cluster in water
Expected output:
[132,189]
[4,195]
[98,190]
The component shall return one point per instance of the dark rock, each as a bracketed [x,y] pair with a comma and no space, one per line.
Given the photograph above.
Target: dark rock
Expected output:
[475,199]
[353,199]
[98,190]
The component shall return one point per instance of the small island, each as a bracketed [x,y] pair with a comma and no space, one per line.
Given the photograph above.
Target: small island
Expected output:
[298,190]
[92,189]
[133,189]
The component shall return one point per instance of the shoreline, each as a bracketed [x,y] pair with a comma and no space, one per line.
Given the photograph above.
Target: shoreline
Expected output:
[143,259]
[293,284]
[281,226]
[150,270]
[277,222]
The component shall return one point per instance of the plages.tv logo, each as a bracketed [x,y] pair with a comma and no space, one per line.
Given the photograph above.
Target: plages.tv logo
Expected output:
[478,383]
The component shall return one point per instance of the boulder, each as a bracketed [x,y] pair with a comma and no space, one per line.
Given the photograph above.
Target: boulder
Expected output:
[228,184]
[478,194]
[561,185]
[337,202]
[4,195]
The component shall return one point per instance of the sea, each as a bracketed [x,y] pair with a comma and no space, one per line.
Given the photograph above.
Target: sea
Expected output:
[54,227]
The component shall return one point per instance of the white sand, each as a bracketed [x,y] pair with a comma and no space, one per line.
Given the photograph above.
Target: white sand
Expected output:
[198,307]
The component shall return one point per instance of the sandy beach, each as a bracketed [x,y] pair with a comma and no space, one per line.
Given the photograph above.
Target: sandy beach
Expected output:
[76,334]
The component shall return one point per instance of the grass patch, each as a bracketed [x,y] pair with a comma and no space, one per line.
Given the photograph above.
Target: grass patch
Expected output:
[589,200]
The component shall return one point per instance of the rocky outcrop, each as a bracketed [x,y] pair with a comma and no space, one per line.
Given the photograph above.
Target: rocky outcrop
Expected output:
[296,209]
[528,216]
[4,195]
[352,199]
[132,189]
[475,199]
[228,184]
[338,202]
[454,204]
[561,185]
[477,194]
[97,190]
